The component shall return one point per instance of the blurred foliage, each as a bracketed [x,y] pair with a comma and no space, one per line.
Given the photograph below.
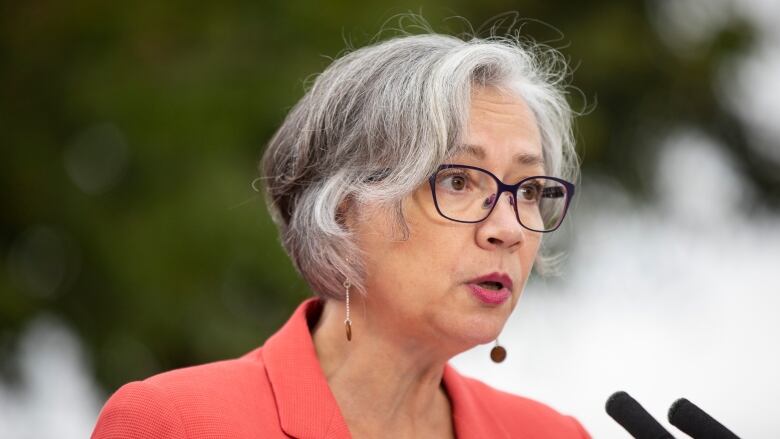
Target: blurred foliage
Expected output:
[130,135]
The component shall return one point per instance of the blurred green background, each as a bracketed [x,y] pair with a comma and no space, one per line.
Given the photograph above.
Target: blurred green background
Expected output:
[130,136]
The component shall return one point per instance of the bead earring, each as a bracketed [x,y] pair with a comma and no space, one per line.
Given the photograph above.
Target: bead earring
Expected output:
[498,353]
[348,321]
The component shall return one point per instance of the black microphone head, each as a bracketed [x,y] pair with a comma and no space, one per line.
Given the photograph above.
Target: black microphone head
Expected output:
[697,424]
[634,418]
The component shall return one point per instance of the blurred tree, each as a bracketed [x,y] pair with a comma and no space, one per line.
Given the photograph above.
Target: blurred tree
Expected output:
[130,135]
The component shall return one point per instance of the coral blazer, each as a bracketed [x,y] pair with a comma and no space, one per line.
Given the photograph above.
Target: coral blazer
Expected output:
[279,390]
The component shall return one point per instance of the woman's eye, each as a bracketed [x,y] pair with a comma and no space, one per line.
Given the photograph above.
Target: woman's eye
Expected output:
[530,192]
[455,182]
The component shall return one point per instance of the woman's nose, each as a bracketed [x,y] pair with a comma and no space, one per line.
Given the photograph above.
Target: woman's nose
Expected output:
[501,228]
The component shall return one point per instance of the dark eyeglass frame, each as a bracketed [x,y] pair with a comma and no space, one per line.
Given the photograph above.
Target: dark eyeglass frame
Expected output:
[503,187]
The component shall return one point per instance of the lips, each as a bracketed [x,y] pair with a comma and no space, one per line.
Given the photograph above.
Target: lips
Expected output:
[490,297]
[492,289]
[502,279]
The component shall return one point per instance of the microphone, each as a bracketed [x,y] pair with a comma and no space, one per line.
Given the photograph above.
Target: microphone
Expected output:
[697,424]
[634,418]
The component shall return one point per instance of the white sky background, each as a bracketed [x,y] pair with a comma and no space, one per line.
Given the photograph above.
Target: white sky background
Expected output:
[676,298]
[57,397]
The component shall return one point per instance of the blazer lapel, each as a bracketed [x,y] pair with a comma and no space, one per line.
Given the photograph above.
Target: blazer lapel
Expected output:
[470,418]
[307,407]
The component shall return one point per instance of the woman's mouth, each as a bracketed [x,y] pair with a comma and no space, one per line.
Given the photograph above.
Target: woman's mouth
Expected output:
[491,293]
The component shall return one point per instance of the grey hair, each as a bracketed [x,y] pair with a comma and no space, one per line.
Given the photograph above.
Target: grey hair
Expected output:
[378,121]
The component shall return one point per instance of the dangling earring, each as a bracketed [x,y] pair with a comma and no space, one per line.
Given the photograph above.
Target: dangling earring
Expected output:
[498,353]
[348,321]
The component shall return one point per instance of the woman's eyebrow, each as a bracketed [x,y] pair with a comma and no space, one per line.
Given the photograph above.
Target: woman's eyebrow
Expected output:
[522,158]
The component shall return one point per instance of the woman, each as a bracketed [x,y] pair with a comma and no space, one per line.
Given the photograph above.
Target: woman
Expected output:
[411,185]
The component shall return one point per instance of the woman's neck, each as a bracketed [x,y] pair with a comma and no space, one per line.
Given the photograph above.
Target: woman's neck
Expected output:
[385,384]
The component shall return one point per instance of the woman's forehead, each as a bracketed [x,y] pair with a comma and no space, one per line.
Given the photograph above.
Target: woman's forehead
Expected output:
[522,158]
[502,126]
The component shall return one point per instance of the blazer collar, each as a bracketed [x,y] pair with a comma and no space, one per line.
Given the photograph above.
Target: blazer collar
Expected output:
[306,405]
[470,416]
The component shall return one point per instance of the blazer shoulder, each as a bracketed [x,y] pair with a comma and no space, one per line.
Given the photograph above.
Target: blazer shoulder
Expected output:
[139,410]
[217,376]
[526,414]
[169,404]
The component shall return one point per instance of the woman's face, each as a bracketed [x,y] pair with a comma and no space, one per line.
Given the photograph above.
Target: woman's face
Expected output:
[418,289]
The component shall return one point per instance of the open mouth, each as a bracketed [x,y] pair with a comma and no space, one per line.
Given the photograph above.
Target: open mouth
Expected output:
[491,285]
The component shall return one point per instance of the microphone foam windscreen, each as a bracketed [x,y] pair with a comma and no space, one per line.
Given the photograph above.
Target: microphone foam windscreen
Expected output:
[697,424]
[634,418]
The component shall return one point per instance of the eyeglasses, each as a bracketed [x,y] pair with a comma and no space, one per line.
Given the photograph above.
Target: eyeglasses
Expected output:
[468,194]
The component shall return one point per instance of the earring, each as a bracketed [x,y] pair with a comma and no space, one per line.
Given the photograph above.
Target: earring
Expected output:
[348,321]
[498,353]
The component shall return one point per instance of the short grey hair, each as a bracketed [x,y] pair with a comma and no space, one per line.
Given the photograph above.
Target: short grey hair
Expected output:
[379,120]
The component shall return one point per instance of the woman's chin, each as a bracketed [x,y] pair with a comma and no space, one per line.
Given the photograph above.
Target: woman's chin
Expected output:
[477,330]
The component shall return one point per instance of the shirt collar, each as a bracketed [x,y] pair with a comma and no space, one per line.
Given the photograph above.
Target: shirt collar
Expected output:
[306,405]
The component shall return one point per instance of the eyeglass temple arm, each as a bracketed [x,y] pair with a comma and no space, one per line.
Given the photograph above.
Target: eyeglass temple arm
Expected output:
[553,192]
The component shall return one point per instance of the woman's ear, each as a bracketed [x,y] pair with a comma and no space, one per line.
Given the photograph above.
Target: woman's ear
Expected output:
[345,213]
